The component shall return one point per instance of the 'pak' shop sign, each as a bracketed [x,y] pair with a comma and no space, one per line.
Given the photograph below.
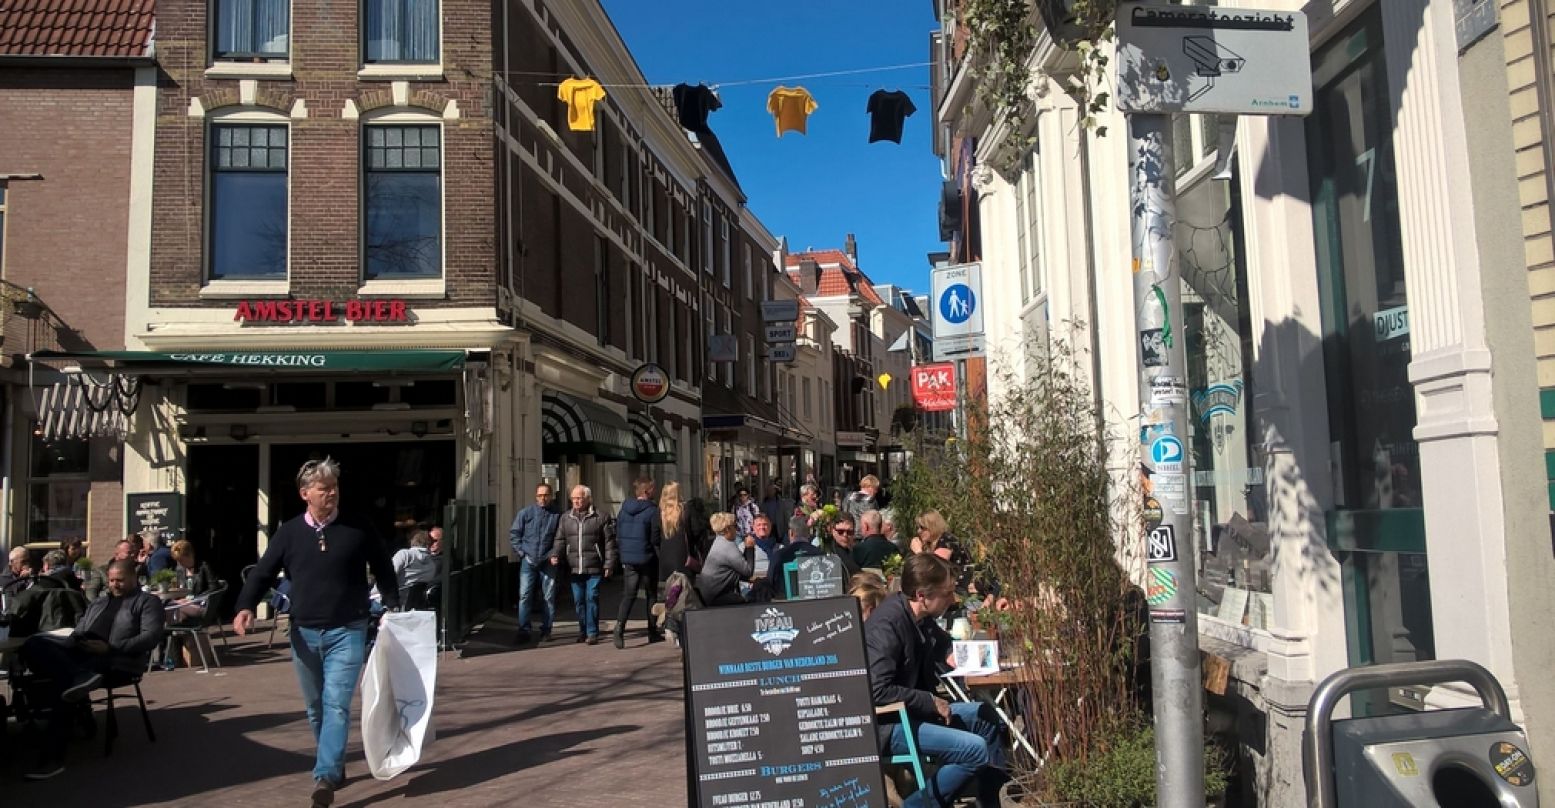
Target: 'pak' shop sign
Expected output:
[778,707]
[650,384]
[934,386]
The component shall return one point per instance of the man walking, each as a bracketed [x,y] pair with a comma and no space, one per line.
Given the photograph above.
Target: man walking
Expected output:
[638,535]
[326,555]
[532,534]
[904,646]
[115,635]
[590,549]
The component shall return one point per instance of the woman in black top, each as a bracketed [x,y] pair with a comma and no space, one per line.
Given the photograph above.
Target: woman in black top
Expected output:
[677,553]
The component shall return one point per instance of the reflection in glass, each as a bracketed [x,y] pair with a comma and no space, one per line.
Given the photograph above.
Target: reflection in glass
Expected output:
[248,205]
[404,202]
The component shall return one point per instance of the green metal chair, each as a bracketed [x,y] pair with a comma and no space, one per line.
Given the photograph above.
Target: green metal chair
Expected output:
[913,759]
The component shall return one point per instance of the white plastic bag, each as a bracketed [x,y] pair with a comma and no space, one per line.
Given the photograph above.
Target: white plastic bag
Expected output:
[397,692]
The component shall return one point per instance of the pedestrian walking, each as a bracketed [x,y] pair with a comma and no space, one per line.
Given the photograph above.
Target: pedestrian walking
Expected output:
[745,512]
[864,498]
[585,541]
[325,554]
[532,536]
[777,510]
[639,536]
[677,552]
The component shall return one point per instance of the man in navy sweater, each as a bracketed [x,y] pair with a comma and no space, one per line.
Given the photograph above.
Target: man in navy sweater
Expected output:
[325,555]
[639,533]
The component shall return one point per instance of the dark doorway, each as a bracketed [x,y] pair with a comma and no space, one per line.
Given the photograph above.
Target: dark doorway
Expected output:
[398,486]
[223,512]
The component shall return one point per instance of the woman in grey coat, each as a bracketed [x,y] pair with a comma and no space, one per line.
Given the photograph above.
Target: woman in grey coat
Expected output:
[728,563]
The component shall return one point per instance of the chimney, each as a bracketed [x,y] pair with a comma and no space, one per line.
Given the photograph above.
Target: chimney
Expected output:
[809,277]
[850,246]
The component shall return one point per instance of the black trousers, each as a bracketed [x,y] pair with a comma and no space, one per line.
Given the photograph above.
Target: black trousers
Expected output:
[645,576]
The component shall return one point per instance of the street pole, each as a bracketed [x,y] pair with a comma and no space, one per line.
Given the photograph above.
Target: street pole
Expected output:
[1175,678]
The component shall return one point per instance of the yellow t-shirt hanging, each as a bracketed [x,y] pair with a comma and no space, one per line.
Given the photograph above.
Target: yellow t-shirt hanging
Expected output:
[790,108]
[580,95]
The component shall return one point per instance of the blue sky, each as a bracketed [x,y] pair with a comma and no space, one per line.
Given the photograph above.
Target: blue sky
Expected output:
[813,188]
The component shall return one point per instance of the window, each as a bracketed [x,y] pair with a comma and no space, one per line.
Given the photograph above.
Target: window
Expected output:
[602,289]
[728,328]
[404,202]
[2,228]
[750,367]
[248,216]
[1027,216]
[252,29]
[685,236]
[707,237]
[57,488]
[807,397]
[727,263]
[400,31]
[712,329]
[825,404]
[750,282]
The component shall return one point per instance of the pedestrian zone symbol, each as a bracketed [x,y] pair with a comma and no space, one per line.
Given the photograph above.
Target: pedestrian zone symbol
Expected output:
[957,304]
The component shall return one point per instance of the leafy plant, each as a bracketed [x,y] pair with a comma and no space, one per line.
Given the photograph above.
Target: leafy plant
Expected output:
[84,564]
[892,566]
[1123,775]
[163,578]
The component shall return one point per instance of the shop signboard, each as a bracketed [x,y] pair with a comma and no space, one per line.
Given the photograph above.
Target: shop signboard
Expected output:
[934,386]
[781,332]
[723,348]
[779,311]
[781,353]
[778,706]
[155,514]
[650,384]
[1216,59]
[820,576]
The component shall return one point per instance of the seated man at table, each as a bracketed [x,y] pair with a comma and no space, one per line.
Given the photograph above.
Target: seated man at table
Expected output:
[116,635]
[55,601]
[872,549]
[904,648]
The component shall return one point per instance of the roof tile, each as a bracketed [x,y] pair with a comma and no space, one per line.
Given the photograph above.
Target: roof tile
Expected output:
[839,275]
[76,27]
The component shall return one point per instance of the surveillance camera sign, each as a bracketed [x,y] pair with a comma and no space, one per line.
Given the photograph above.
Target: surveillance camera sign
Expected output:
[1215,59]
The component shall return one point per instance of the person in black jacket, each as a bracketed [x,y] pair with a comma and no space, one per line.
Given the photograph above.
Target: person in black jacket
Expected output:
[904,647]
[639,534]
[326,555]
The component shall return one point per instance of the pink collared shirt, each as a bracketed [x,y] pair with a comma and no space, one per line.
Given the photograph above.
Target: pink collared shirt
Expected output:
[307,516]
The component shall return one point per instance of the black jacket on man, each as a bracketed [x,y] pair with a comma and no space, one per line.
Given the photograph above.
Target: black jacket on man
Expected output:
[903,655]
[639,533]
[329,586]
[135,631]
[53,602]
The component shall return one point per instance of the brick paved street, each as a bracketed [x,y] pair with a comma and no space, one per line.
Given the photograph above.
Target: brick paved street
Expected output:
[557,725]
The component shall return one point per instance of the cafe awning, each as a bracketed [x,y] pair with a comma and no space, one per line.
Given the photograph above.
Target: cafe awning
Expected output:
[142,362]
[574,427]
[654,445]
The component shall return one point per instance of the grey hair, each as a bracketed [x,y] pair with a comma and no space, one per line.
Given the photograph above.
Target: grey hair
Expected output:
[888,516]
[588,493]
[810,488]
[54,560]
[315,470]
[870,519]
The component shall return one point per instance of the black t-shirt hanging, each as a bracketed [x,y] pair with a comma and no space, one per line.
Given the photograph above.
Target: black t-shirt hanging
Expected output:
[887,111]
[692,105]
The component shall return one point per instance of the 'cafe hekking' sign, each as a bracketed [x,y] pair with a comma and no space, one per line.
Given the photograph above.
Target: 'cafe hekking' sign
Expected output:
[322,311]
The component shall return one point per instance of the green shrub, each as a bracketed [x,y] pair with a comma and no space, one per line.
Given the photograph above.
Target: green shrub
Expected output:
[1123,775]
[161,577]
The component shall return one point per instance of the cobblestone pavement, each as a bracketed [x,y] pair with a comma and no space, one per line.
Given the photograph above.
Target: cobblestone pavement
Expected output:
[559,725]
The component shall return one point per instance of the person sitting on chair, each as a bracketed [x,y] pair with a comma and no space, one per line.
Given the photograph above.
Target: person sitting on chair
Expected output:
[196,579]
[115,636]
[416,570]
[904,647]
[54,601]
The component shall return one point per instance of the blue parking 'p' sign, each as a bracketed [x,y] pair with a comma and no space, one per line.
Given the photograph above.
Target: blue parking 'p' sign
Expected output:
[1166,453]
[957,304]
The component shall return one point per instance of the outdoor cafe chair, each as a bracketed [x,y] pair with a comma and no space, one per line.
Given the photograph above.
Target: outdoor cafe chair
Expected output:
[913,759]
[199,630]
[119,680]
[271,596]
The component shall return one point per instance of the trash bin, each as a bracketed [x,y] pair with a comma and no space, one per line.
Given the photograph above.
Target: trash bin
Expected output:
[1460,758]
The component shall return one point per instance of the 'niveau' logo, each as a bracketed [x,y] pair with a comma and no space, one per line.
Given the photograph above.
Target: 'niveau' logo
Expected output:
[774,631]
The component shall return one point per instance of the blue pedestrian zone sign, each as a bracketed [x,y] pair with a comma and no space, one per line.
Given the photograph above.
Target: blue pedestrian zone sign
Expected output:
[957,304]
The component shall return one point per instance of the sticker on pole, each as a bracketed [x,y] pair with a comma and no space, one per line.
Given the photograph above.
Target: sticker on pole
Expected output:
[1162,544]
[1160,586]
[1166,454]
[1231,61]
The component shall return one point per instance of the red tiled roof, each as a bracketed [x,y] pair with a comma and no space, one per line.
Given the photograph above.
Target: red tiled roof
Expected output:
[840,278]
[76,27]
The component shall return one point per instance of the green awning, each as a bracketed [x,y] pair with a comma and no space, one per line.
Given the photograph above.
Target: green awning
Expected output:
[574,427]
[654,445]
[145,361]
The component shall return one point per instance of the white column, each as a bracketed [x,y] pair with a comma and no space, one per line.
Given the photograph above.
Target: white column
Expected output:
[1001,284]
[1455,425]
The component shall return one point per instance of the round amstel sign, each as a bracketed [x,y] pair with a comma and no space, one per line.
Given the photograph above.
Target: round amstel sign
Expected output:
[650,384]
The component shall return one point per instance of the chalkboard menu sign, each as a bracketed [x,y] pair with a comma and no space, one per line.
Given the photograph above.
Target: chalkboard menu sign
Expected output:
[778,707]
[820,576]
[157,514]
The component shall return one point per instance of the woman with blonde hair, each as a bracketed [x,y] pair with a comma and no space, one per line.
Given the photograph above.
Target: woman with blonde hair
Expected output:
[934,537]
[678,553]
[870,590]
[729,563]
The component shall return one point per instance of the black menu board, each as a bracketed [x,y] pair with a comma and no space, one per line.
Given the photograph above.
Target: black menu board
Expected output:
[778,707]
[820,576]
[158,514]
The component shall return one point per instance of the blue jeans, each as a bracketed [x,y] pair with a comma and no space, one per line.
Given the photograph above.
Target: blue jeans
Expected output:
[585,596]
[529,572]
[973,744]
[328,662]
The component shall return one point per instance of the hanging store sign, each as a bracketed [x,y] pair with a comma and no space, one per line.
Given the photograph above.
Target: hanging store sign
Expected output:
[780,333]
[934,387]
[650,384]
[781,353]
[723,348]
[322,311]
[1232,61]
[779,311]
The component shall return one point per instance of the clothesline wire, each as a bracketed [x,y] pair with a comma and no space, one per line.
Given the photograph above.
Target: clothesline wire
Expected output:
[739,83]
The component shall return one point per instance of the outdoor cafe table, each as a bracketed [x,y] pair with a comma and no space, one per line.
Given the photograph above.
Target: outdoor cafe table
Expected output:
[1008,676]
[10,644]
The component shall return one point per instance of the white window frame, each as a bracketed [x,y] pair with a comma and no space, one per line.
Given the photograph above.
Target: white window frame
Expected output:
[707,237]
[242,67]
[750,367]
[420,287]
[388,71]
[4,202]
[807,398]
[728,328]
[711,324]
[728,262]
[242,287]
[750,280]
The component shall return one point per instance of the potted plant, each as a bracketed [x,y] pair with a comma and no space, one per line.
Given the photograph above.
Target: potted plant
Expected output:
[163,580]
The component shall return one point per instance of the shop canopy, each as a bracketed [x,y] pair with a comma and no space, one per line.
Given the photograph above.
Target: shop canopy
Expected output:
[654,445]
[138,362]
[575,427]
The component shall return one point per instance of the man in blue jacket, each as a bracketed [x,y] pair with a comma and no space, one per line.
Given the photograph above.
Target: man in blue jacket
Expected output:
[532,534]
[639,534]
